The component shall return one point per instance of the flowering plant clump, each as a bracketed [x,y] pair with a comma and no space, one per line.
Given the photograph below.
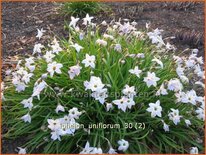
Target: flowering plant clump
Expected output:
[120,91]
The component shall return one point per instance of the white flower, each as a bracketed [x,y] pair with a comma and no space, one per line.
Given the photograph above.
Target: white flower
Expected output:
[161,90]
[100,95]
[74,71]
[31,68]
[134,23]
[38,88]
[59,108]
[56,135]
[174,116]
[112,151]
[190,63]
[77,47]
[40,33]
[200,60]
[126,28]
[74,113]
[87,149]
[71,125]
[55,46]
[148,25]
[89,61]
[81,36]
[73,21]
[8,72]
[37,48]
[156,37]
[87,19]
[155,109]
[199,72]
[140,55]
[151,79]
[165,126]
[26,77]
[194,150]
[95,84]
[29,61]
[130,102]
[21,150]
[104,23]
[200,113]
[49,56]
[121,103]
[191,97]
[20,87]
[54,67]
[26,118]
[28,103]
[129,91]
[184,79]
[181,97]
[187,122]
[158,62]
[175,85]
[54,124]
[96,151]
[123,145]
[118,47]
[169,46]
[180,71]
[135,71]
[101,42]
[109,106]
[107,36]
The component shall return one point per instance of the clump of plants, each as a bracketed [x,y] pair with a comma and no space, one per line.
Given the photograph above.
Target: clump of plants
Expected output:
[120,91]
[81,8]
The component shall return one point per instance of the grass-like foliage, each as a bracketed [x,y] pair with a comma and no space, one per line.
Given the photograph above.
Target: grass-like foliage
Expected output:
[80,8]
[128,81]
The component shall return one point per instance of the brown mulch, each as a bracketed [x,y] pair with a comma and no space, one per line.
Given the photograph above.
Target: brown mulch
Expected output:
[21,19]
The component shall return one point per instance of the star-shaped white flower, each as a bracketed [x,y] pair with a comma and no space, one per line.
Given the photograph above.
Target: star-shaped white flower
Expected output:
[73,21]
[54,67]
[87,19]
[27,103]
[155,109]
[37,48]
[26,118]
[74,71]
[54,124]
[89,61]
[74,113]
[121,103]
[123,145]
[151,79]
[40,33]
[21,150]
[49,56]
[59,108]
[77,47]
[95,84]
[129,91]
[174,116]
[136,71]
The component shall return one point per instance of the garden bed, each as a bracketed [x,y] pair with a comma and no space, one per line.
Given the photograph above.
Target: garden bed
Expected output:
[20,21]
